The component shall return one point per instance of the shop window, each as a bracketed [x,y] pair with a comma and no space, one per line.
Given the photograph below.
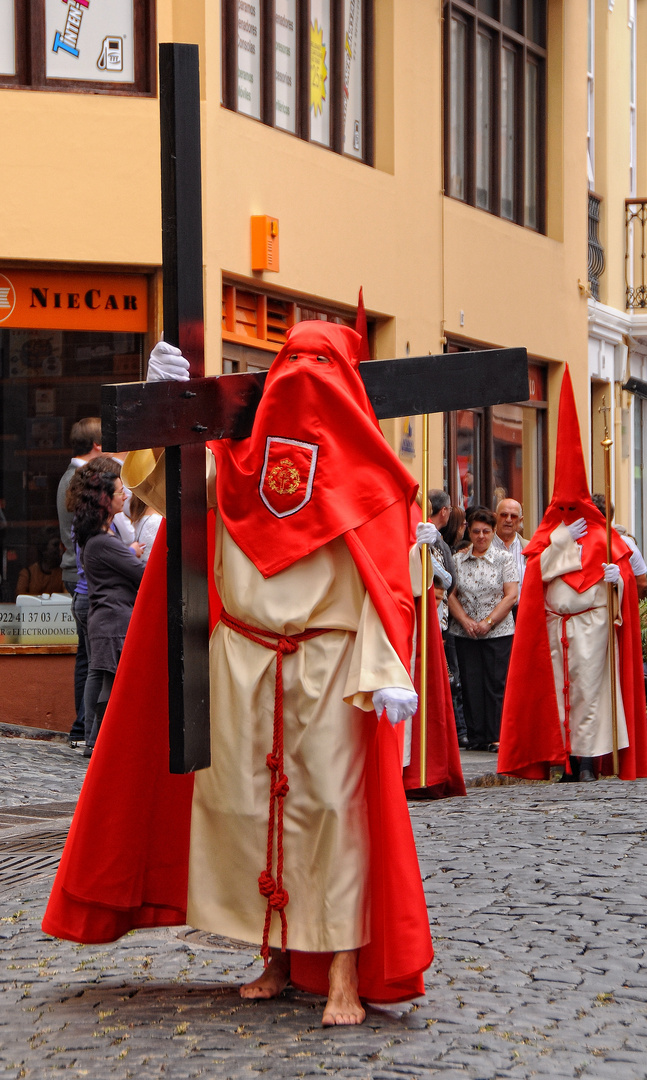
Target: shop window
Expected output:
[500,452]
[305,68]
[49,379]
[81,44]
[495,106]
[507,453]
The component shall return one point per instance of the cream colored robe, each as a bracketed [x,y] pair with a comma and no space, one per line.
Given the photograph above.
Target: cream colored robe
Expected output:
[587,632]
[328,687]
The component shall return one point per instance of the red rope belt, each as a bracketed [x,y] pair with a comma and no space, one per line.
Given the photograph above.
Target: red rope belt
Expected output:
[567,684]
[271,888]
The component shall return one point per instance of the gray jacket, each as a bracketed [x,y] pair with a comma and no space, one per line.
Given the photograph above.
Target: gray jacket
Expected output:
[68,562]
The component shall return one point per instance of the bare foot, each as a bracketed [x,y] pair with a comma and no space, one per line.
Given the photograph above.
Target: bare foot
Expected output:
[273,980]
[343,1005]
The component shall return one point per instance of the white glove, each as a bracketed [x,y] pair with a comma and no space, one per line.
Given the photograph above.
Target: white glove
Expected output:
[399,704]
[578,529]
[611,572]
[166,364]
[426,533]
[440,574]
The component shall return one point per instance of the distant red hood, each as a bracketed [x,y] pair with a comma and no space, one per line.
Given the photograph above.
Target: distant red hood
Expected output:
[572,500]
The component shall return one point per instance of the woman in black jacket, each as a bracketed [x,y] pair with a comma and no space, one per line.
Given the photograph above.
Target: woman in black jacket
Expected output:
[113,572]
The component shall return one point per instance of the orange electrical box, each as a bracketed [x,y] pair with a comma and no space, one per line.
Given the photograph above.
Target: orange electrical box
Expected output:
[265,243]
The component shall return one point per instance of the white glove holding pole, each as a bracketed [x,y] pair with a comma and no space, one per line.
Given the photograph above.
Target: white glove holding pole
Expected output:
[611,572]
[426,533]
[578,529]
[166,364]
[399,704]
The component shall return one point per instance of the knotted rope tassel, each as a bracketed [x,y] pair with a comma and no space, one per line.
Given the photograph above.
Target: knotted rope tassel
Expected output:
[567,684]
[272,888]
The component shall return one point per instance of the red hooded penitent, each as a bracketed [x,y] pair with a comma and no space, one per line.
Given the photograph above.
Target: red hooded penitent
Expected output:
[531,737]
[125,864]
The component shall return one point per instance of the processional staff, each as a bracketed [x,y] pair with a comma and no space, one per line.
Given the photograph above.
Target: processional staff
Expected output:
[424,611]
[612,595]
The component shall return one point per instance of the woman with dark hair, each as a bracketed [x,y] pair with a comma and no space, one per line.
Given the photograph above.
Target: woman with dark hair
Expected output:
[481,620]
[113,573]
[453,532]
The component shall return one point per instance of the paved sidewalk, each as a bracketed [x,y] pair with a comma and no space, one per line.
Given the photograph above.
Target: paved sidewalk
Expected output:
[536,896]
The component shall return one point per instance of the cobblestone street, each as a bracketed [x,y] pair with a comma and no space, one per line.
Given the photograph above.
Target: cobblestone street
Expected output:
[536,896]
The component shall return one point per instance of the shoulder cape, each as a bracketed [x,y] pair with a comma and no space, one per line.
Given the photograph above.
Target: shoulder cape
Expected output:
[125,863]
[531,739]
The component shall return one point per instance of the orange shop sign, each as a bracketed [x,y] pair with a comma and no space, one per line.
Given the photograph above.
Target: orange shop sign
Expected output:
[51,300]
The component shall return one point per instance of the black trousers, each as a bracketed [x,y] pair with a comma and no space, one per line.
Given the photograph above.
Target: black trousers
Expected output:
[449,642]
[483,664]
[80,612]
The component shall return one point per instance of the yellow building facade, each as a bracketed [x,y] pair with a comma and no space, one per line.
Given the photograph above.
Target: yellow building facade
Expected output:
[434,154]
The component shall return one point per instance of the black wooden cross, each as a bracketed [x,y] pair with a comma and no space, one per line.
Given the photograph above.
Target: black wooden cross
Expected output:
[183,416]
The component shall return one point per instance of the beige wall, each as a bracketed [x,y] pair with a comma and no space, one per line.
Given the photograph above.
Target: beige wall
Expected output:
[80,182]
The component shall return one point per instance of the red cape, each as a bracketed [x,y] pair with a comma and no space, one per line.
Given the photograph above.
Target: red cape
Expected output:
[125,863]
[531,739]
[444,771]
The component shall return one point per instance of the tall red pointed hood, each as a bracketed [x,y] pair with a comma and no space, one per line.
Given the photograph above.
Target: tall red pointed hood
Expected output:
[572,499]
[570,472]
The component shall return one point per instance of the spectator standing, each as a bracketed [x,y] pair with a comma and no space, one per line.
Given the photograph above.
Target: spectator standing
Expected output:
[146,521]
[112,466]
[454,531]
[113,572]
[509,514]
[440,510]
[481,618]
[85,440]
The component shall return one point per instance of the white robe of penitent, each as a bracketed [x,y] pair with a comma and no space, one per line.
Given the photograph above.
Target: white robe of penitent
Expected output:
[328,719]
[587,633]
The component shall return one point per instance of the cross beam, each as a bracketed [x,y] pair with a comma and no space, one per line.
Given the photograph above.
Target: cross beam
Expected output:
[183,416]
[137,415]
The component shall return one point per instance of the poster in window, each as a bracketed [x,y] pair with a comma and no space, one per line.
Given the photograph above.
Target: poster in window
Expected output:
[90,40]
[352,104]
[285,17]
[7,38]
[44,401]
[320,61]
[34,353]
[248,82]
[45,433]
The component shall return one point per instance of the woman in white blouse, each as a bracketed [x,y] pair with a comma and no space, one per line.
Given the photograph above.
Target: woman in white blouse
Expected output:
[146,522]
[487,584]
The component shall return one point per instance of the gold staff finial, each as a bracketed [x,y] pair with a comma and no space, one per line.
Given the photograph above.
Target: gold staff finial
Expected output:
[605,410]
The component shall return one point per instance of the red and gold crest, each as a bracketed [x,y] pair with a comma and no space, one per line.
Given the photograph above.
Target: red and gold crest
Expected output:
[288,475]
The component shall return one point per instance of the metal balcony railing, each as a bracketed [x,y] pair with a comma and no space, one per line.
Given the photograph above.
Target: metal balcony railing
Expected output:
[596,251]
[635,253]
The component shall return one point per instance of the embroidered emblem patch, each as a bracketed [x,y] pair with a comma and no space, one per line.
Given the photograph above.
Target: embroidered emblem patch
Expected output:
[288,475]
